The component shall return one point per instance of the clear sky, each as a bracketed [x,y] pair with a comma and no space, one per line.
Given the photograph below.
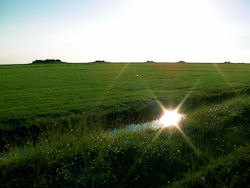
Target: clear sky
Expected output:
[124,30]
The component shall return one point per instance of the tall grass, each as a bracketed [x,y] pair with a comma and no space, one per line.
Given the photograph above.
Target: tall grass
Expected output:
[89,156]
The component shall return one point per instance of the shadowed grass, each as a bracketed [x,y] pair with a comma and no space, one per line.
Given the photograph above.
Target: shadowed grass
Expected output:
[87,156]
[231,170]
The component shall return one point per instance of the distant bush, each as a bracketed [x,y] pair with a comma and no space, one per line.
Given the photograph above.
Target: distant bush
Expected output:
[100,61]
[181,62]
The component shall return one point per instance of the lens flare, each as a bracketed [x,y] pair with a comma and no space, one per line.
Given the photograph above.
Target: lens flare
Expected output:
[170,118]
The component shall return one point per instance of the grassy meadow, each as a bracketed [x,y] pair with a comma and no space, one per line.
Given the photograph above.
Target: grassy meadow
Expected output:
[30,92]
[55,121]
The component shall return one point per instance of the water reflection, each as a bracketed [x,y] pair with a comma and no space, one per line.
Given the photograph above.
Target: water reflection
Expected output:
[168,119]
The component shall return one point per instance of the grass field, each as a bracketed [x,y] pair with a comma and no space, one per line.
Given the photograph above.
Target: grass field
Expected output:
[33,91]
[54,121]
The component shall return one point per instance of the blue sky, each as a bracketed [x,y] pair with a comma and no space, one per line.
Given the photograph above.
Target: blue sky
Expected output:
[124,30]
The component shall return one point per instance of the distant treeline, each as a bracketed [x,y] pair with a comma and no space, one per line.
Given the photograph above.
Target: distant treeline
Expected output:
[47,61]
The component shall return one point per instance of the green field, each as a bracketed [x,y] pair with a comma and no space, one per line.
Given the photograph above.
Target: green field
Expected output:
[33,91]
[54,123]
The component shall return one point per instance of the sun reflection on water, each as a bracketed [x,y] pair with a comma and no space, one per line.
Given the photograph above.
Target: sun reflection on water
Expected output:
[170,118]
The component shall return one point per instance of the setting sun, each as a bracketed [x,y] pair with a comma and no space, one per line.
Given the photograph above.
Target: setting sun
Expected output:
[170,118]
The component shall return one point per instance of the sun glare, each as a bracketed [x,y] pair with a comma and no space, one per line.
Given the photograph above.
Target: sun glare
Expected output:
[170,118]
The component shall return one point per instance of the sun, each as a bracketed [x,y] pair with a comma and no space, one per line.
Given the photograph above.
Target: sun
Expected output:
[170,118]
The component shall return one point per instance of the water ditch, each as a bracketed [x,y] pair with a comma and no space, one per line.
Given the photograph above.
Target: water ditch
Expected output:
[169,118]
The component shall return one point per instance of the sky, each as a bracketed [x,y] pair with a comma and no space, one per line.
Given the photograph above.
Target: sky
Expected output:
[124,30]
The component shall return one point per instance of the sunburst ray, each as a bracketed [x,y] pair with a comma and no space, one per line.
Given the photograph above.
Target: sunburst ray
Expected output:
[224,77]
